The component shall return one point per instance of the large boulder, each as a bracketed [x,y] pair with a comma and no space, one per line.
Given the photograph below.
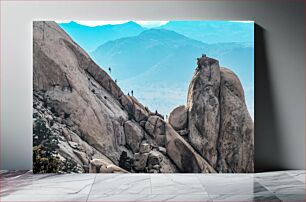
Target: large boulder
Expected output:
[166,165]
[140,161]
[155,126]
[101,166]
[96,164]
[154,158]
[178,118]
[183,155]
[204,109]
[220,127]
[236,140]
[112,169]
[134,134]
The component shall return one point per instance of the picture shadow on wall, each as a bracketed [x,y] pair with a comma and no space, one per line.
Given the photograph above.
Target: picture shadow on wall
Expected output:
[267,134]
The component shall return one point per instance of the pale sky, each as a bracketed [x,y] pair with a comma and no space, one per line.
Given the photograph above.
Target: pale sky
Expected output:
[147,24]
[143,23]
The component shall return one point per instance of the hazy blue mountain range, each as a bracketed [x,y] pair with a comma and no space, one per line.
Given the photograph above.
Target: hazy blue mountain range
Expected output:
[213,31]
[157,64]
[206,31]
[167,52]
[131,56]
[90,38]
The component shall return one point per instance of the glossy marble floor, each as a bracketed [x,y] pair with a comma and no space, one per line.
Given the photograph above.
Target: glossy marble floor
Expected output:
[272,186]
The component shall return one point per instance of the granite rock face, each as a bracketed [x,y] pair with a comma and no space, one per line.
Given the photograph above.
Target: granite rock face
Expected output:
[71,147]
[100,129]
[74,85]
[219,125]
[134,134]
[178,118]
[86,110]
[204,110]
[78,93]
[236,139]
[156,127]
[184,155]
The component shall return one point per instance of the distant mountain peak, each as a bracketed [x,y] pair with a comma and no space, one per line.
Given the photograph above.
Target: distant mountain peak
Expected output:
[163,34]
[70,23]
[131,22]
[91,37]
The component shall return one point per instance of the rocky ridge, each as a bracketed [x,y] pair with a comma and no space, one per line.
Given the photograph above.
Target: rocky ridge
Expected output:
[215,120]
[98,127]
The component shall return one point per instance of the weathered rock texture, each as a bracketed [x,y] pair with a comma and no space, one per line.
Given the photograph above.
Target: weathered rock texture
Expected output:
[134,134]
[219,125]
[102,130]
[204,109]
[236,138]
[178,118]
[184,156]
[74,85]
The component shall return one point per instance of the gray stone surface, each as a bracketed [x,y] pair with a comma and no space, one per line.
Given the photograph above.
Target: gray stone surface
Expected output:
[134,134]
[183,155]
[94,121]
[155,126]
[140,161]
[220,127]
[178,118]
[204,109]
[71,83]
[236,138]
[145,148]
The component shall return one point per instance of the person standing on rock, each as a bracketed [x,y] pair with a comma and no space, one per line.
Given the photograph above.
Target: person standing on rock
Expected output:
[132,93]
[110,70]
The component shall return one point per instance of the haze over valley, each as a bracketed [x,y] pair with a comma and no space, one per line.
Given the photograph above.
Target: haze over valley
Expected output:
[155,62]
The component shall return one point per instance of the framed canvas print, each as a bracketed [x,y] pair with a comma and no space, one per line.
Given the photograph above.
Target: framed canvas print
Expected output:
[143,96]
